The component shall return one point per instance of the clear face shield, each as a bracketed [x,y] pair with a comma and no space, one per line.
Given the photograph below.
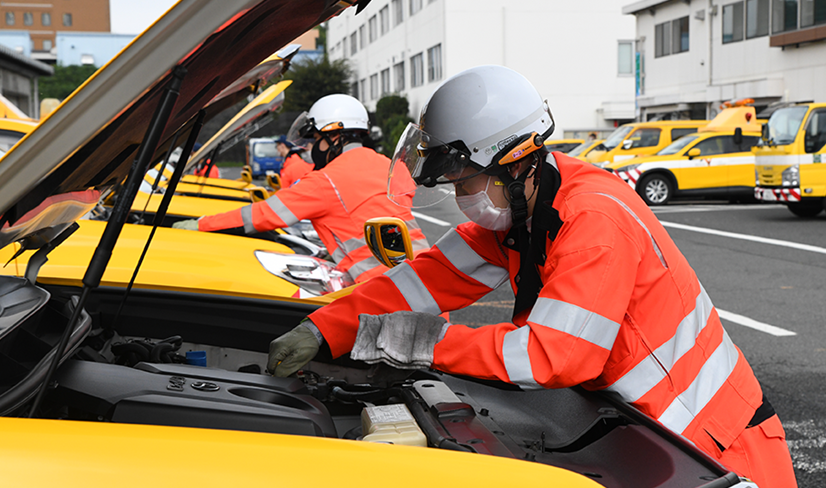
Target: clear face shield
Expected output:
[424,169]
[302,129]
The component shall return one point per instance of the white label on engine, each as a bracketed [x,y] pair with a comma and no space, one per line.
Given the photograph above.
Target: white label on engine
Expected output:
[389,414]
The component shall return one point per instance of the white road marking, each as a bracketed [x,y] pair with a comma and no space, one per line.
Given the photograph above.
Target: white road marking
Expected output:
[746,237]
[714,208]
[747,322]
[430,219]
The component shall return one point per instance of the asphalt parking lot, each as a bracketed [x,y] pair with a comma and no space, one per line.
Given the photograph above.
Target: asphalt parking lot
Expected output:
[765,270]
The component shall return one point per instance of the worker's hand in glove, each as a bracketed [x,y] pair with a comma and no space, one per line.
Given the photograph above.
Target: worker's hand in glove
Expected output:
[404,340]
[191,224]
[293,350]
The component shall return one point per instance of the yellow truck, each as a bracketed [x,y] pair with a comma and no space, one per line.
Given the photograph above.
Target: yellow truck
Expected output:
[789,164]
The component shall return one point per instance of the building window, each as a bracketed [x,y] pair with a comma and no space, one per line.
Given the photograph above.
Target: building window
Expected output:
[372,25]
[28,18]
[384,20]
[398,74]
[353,43]
[812,12]
[417,70]
[354,89]
[434,63]
[398,12]
[671,37]
[733,22]
[67,20]
[374,87]
[363,90]
[415,6]
[47,44]
[361,37]
[625,58]
[9,18]
[662,39]
[385,81]
[46,19]
[784,15]
[757,18]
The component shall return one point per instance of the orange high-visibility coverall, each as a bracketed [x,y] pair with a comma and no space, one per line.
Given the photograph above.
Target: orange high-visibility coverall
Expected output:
[337,199]
[294,169]
[620,309]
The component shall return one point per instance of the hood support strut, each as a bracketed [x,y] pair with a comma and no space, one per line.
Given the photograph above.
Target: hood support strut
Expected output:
[167,197]
[103,252]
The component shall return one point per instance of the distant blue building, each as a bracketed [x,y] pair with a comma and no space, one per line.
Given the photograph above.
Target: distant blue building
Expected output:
[89,48]
[18,41]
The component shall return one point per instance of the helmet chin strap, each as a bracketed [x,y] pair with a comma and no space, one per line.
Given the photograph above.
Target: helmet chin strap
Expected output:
[516,189]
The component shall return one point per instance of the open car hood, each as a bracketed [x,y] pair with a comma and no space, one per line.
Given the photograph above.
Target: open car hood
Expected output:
[248,120]
[57,173]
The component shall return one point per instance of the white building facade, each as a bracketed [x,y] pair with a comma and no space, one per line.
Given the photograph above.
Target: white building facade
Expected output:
[579,55]
[697,54]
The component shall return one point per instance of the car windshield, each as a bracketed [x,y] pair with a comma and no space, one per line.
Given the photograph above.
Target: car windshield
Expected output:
[580,149]
[9,138]
[616,137]
[784,124]
[677,145]
[265,150]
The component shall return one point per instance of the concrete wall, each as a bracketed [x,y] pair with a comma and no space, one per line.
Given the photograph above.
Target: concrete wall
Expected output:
[18,41]
[568,50]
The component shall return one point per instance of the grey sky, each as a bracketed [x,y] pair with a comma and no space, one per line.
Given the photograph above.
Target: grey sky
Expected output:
[132,17]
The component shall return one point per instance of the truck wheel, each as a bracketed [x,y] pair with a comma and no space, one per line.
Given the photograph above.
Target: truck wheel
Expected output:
[655,189]
[806,209]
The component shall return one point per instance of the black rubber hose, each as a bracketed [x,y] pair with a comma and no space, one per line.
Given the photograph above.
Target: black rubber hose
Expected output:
[175,340]
[363,396]
[135,348]
[159,350]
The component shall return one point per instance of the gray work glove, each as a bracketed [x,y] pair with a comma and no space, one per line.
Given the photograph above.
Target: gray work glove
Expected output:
[404,340]
[190,224]
[293,350]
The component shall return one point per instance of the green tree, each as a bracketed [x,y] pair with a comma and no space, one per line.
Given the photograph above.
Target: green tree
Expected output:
[313,79]
[64,81]
[392,117]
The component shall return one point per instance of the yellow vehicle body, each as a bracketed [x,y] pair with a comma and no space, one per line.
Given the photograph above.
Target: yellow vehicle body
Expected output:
[791,163]
[83,454]
[563,145]
[644,139]
[177,260]
[587,150]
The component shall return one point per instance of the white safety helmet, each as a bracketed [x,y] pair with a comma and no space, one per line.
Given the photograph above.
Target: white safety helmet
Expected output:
[330,113]
[484,118]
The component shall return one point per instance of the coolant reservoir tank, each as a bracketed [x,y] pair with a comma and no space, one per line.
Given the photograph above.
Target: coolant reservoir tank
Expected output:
[392,424]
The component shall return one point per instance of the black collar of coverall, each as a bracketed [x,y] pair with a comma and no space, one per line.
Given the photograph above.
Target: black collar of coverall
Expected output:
[545,224]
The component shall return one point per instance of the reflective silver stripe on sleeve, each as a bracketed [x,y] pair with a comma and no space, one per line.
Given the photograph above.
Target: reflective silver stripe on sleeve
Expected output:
[363,266]
[575,321]
[634,384]
[653,242]
[419,244]
[246,217]
[281,210]
[712,376]
[412,224]
[461,255]
[412,288]
[338,255]
[516,359]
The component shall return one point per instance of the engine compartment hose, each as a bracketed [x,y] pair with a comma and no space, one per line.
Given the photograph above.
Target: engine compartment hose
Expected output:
[370,396]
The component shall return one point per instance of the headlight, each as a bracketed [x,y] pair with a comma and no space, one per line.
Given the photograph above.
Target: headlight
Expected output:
[256,167]
[628,168]
[791,176]
[313,275]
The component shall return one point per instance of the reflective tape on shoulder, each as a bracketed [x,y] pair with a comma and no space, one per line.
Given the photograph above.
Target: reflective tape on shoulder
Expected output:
[281,210]
[574,320]
[246,217]
[711,377]
[466,260]
[634,384]
[413,290]
[516,359]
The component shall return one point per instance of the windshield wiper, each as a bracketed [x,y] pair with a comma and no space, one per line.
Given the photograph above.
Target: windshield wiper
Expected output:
[103,252]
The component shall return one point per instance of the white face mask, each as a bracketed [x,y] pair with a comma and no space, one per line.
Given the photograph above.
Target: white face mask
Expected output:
[479,208]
